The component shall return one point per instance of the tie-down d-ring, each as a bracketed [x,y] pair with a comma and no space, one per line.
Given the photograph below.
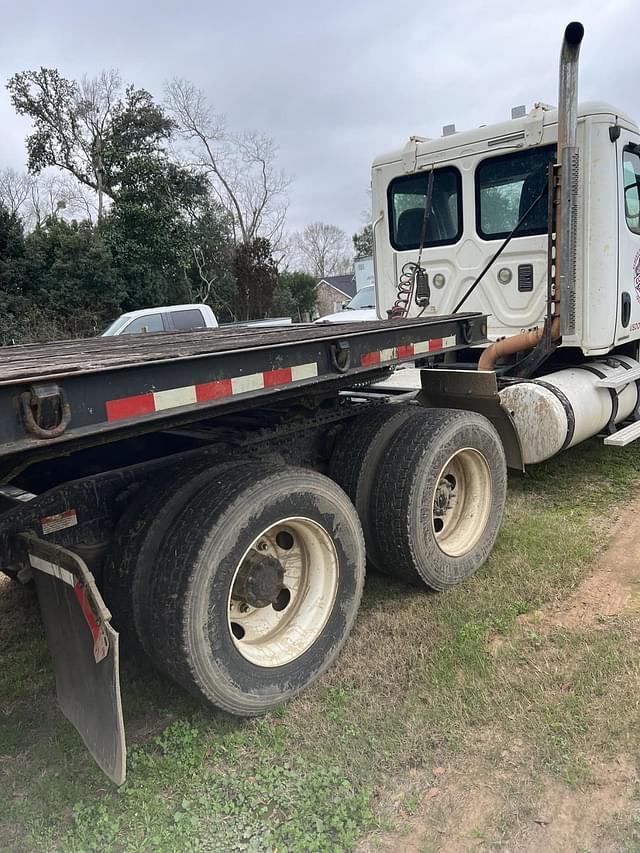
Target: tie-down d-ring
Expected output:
[45,404]
[341,356]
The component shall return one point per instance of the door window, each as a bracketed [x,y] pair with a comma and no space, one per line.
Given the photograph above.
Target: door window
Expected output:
[407,203]
[148,323]
[631,177]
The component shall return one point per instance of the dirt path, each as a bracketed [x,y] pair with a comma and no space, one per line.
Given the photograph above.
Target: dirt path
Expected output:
[612,589]
[491,797]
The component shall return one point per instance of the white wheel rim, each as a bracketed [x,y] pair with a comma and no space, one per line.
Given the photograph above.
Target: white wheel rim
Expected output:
[278,633]
[461,502]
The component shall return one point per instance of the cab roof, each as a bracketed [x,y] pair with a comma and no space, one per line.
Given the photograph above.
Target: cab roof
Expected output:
[145,312]
[507,129]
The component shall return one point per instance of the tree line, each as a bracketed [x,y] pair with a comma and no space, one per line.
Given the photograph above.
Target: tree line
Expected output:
[129,203]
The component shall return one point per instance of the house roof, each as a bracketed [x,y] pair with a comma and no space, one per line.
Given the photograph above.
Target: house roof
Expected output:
[346,284]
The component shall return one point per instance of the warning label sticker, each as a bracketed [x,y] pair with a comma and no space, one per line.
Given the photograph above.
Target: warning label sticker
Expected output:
[52,523]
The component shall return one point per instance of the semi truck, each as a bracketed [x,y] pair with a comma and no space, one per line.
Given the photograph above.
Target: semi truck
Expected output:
[213,498]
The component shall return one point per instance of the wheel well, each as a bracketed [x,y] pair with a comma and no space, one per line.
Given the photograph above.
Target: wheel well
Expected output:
[473,391]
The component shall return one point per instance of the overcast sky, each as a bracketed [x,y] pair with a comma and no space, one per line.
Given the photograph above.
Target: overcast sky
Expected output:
[334,82]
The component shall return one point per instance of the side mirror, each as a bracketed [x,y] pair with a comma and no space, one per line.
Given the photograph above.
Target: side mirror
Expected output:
[632,200]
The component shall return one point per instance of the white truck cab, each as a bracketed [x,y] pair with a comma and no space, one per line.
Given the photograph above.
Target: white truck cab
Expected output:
[483,181]
[166,318]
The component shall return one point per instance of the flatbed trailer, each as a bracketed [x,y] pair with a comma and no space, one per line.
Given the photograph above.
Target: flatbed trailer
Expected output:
[132,470]
[130,384]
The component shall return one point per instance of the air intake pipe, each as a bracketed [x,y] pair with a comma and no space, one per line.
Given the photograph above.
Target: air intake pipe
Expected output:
[566,216]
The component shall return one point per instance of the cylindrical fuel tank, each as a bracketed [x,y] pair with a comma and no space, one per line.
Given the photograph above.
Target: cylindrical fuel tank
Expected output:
[566,407]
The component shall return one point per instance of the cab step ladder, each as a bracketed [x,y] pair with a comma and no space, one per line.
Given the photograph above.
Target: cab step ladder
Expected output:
[616,381]
[624,436]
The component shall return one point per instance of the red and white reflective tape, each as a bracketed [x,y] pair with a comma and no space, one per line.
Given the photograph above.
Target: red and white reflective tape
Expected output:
[98,634]
[174,398]
[407,350]
[52,569]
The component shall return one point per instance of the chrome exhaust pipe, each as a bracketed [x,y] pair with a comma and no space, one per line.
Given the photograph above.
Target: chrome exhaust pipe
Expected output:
[568,94]
[567,226]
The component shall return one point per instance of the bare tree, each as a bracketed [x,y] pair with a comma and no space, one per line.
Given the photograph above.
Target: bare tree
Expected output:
[34,198]
[324,250]
[82,203]
[15,189]
[241,167]
[206,280]
[57,194]
[96,99]
[286,254]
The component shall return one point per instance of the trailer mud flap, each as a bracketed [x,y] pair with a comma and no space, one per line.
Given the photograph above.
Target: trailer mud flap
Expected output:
[85,652]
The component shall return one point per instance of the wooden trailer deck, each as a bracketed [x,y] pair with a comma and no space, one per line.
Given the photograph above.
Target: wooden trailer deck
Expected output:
[140,383]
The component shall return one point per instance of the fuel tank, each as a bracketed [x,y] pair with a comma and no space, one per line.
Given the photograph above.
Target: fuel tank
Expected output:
[567,407]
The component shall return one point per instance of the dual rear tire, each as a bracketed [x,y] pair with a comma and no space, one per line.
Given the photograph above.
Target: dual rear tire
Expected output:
[242,581]
[429,486]
[249,592]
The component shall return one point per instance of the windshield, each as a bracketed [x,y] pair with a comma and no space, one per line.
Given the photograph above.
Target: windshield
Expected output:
[364,298]
[115,327]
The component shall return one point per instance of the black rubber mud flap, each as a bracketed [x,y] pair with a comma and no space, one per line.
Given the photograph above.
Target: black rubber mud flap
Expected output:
[84,649]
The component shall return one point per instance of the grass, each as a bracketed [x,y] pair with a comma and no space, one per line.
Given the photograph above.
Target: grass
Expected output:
[427,681]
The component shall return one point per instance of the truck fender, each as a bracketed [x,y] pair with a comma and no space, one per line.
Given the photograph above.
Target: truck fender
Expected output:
[475,391]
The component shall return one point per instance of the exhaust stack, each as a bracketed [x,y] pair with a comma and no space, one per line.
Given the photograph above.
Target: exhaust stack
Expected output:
[564,321]
[566,234]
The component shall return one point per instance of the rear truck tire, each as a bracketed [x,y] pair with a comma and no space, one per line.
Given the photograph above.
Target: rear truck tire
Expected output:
[356,458]
[256,588]
[140,533]
[439,497]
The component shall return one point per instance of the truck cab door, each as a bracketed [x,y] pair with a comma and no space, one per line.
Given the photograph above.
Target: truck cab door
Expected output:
[628,319]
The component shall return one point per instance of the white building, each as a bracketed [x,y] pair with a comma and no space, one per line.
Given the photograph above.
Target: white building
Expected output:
[363,268]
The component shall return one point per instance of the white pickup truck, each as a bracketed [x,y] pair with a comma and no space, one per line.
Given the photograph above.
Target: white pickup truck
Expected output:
[174,318]
[167,318]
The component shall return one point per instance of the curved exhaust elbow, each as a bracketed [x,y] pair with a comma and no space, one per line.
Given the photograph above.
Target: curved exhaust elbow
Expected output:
[568,88]
[508,346]
[573,35]
[517,343]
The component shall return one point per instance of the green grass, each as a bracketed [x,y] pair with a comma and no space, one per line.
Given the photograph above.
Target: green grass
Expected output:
[418,686]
